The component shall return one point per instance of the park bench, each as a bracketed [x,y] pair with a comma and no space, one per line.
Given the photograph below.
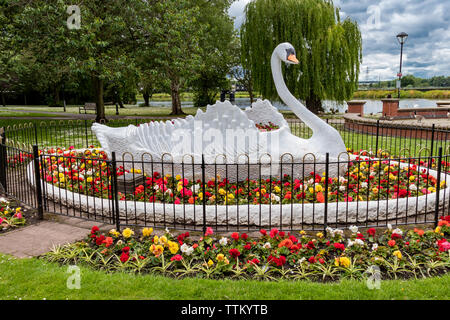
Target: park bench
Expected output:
[88,106]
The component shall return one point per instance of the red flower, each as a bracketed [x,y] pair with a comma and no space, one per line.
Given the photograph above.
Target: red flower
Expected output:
[253,261]
[124,257]
[312,259]
[100,240]
[339,246]
[281,234]
[234,253]
[371,232]
[263,232]
[94,229]
[273,232]
[321,261]
[244,236]
[395,236]
[176,258]
[235,236]
[126,249]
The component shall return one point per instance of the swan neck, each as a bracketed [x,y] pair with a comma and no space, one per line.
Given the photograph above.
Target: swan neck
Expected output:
[309,118]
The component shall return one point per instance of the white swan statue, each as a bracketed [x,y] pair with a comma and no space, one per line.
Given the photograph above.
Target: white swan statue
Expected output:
[228,139]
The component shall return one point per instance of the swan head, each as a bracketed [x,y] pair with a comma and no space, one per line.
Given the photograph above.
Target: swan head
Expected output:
[286,53]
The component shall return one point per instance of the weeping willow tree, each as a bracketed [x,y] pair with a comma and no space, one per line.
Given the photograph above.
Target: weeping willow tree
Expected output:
[329,50]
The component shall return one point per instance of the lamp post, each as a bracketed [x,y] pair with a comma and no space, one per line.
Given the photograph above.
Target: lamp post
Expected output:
[117,104]
[401,38]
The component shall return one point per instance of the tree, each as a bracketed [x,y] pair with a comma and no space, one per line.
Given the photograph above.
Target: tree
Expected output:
[329,49]
[218,43]
[100,48]
[170,44]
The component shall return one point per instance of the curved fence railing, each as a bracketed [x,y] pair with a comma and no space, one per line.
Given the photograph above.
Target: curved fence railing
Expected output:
[385,179]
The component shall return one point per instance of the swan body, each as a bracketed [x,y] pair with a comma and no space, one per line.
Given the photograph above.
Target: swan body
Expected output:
[229,141]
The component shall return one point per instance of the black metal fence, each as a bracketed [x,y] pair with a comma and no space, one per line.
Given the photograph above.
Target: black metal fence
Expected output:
[369,189]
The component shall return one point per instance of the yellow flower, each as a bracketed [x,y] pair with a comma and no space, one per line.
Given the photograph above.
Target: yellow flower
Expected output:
[89,179]
[437,230]
[432,189]
[319,188]
[412,178]
[173,247]
[343,261]
[163,240]
[210,263]
[155,239]
[263,191]
[18,209]
[222,192]
[398,254]
[156,249]
[220,257]
[200,195]
[319,234]
[114,233]
[375,190]
[147,232]
[177,177]
[277,189]
[302,232]
[127,233]
[311,190]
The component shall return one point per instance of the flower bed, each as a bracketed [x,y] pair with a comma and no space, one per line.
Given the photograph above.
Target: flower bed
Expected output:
[88,172]
[10,216]
[395,253]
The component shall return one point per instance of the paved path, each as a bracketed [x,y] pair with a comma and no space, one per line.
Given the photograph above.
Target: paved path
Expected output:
[37,239]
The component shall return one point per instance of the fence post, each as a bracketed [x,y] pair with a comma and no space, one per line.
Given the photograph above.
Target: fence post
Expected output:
[438,188]
[376,140]
[38,182]
[325,213]
[114,192]
[204,193]
[432,145]
[3,159]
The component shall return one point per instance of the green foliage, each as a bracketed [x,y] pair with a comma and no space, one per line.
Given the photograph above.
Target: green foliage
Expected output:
[329,50]
[219,48]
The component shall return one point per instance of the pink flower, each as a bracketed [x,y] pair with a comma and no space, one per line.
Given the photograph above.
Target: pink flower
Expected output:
[209,231]
[18,215]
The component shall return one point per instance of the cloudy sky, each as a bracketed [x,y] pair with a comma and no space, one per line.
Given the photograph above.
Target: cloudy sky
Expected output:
[427,50]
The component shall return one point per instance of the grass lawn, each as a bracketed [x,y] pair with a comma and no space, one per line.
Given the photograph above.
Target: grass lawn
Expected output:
[37,279]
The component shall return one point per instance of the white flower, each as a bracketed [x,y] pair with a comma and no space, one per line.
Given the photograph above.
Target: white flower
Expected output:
[398,231]
[342,188]
[311,181]
[373,173]
[359,242]
[274,197]
[342,180]
[223,241]
[267,245]
[195,188]
[374,246]
[156,187]
[363,185]
[353,229]
[413,187]
[350,243]
[187,250]
[389,226]
[3,200]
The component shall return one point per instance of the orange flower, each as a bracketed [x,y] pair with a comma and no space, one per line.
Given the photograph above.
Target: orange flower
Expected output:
[443,223]
[420,232]
[320,197]
[191,200]
[391,243]
[285,243]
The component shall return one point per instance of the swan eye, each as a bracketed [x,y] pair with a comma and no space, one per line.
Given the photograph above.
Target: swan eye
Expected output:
[289,52]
